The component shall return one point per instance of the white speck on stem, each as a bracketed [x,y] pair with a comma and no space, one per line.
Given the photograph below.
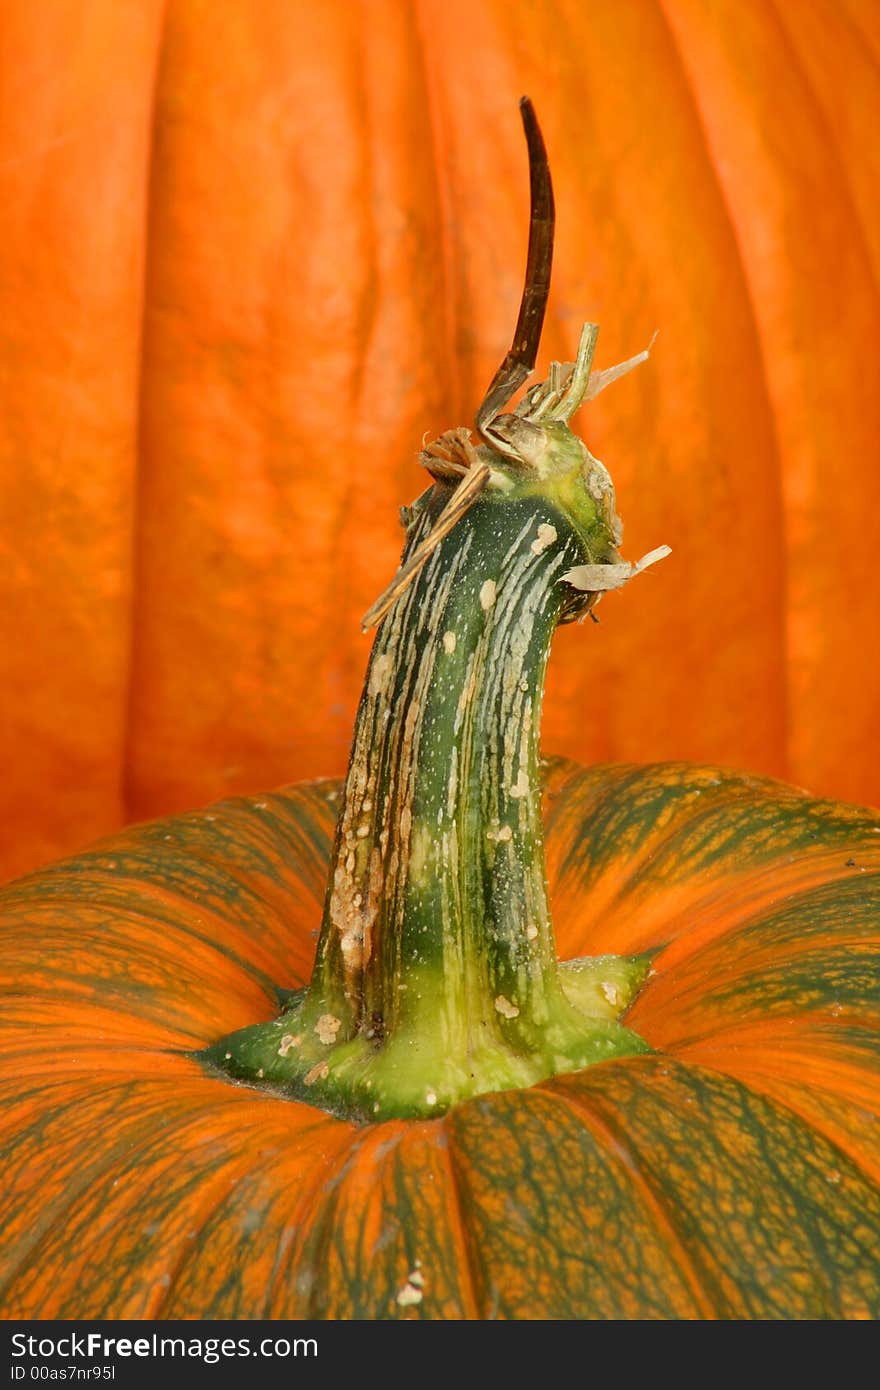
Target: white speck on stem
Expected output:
[449,641]
[380,673]
[520,787]
[488,594]
[505,1008]
[545,537]
[327,1027]
[503,832]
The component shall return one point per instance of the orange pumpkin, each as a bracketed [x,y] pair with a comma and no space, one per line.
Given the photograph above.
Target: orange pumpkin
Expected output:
[445,1121]
[246,264]
[735,1173]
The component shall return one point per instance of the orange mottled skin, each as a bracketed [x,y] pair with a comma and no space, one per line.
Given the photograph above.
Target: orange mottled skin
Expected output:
[735,1173]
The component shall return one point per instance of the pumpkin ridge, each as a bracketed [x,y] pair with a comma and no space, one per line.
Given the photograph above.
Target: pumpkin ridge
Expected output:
[810,1121]
[761,1161]
[692,882]
[30,1028]
[184,1142]
[615,1143]
[453,394]
[785,1091]
[271,1192]
[212,943]
[782,628]
[67,1197]
[535,1175]
[744,278]
[828,129]
[156,990]
[773,969]
[737,976]
[202,1187]
[639,864]
[691,941]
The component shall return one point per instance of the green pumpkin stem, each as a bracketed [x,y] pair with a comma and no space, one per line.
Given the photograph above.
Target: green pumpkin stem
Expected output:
[436,976]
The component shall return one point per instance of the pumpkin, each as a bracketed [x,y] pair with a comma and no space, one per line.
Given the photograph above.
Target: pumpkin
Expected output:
[247,263]
[733,1172]
[437,1119]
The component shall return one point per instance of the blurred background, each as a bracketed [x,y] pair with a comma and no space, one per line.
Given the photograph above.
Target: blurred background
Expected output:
[252,253]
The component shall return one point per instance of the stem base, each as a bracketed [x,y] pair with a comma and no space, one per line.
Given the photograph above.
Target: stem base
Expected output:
[415,1073]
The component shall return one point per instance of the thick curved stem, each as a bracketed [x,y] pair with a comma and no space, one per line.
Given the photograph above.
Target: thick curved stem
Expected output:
[436,975]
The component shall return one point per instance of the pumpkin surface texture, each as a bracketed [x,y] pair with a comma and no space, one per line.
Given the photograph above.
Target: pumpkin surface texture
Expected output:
[251,253]
[216,1102]
[735,1172]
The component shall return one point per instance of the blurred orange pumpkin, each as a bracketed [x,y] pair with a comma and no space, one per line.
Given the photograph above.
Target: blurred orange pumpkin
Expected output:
[251,252]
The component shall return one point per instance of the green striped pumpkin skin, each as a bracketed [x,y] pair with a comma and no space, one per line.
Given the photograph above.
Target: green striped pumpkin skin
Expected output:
[734,1173]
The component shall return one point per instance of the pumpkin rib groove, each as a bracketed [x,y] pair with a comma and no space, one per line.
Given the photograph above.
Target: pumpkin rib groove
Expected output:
[766,1158]
[219,866]
[217,1195]
[239,877]
[221,875]
[461,1227]
[366,312]
[327,1195]
[816,1123]
[563,1232]
[449,297]
[783,695]
[32,1024]
[839,162]
[297,1201]
[440,1252]
[796,242]
[136,592]
[198,1185]
[318,1229]
[867,35]
[49,1216]
[613,1143]
[650,849]
[172,984]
